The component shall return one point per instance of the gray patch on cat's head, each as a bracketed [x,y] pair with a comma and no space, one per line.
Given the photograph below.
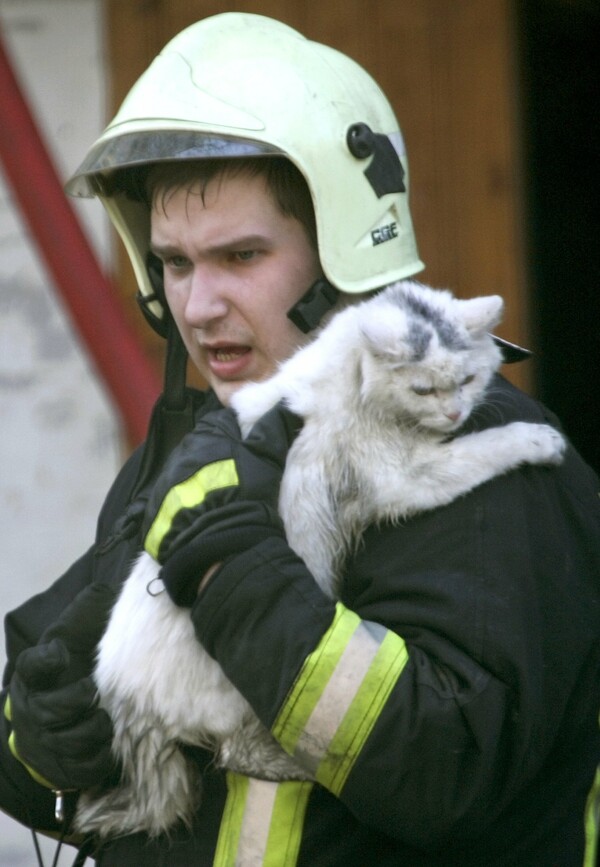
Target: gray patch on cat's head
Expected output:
[447,332]
[418,338]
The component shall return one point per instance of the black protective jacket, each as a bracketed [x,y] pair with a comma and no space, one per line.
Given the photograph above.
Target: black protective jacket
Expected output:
[469,638]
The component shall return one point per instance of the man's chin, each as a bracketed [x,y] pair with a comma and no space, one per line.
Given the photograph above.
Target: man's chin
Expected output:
[225,390]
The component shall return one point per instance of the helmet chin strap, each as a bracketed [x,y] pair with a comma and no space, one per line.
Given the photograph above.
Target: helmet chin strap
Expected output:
[308,312]
[173,414]
[175,395]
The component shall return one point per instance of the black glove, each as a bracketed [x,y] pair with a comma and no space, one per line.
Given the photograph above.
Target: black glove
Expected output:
[59,733]
[217,497]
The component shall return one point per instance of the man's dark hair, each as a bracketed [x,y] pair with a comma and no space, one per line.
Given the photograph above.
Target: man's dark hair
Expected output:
[284,181]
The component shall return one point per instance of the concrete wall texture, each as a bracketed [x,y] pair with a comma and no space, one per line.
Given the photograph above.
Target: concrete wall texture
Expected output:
[60,439]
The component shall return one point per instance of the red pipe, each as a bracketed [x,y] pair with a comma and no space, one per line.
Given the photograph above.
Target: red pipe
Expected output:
[89,296]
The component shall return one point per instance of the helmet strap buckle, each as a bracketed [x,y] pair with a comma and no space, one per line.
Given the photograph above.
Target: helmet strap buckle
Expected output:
[307,313]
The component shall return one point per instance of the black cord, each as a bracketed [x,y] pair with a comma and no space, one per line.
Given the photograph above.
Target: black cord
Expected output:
[36,844]
[38,851]
[88,847]
[58,848]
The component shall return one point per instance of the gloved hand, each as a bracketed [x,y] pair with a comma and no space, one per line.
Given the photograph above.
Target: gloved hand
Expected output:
[58,732]
[217,496]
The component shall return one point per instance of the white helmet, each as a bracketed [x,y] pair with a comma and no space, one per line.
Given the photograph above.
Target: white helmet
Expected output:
[239,85]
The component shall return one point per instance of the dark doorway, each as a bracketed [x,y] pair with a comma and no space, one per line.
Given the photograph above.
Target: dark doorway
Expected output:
[561,88]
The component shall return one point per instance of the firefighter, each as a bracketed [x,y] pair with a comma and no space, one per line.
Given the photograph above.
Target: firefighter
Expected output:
[447,704]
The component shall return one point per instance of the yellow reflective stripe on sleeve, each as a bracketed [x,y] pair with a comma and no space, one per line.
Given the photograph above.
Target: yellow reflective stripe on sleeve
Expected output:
[317,669]
[262,822]
[8,708]
[592,824]
[339,695]
[32,773]
[231,823]
[188,494]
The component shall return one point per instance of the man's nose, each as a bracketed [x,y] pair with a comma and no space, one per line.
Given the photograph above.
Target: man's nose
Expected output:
[206,299]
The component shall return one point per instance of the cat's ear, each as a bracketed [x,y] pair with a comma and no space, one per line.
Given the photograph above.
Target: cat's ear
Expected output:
[481,314]
[384,334]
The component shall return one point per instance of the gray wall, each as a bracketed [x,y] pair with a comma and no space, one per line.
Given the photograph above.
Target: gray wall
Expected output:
[60,440]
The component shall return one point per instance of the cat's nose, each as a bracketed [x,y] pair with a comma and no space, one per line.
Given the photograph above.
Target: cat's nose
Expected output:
[453,416]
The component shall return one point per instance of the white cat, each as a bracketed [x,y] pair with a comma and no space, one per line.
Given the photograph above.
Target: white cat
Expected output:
[381,392]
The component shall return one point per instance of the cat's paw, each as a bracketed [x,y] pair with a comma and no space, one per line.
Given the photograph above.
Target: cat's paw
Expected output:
[545,445]
[251,402]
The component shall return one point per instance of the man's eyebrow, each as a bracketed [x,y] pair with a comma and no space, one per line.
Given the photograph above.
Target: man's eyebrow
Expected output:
[163,249]
[244,242]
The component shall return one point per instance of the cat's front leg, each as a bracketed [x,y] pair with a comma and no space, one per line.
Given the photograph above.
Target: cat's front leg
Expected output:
[444,471]
[474,459]
[538,443]
[504,448]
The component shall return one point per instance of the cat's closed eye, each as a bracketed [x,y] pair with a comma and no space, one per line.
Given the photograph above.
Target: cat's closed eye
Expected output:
[426,391]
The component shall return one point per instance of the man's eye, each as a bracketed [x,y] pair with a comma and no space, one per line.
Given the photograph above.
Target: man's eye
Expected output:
[244,255]
[176,263]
